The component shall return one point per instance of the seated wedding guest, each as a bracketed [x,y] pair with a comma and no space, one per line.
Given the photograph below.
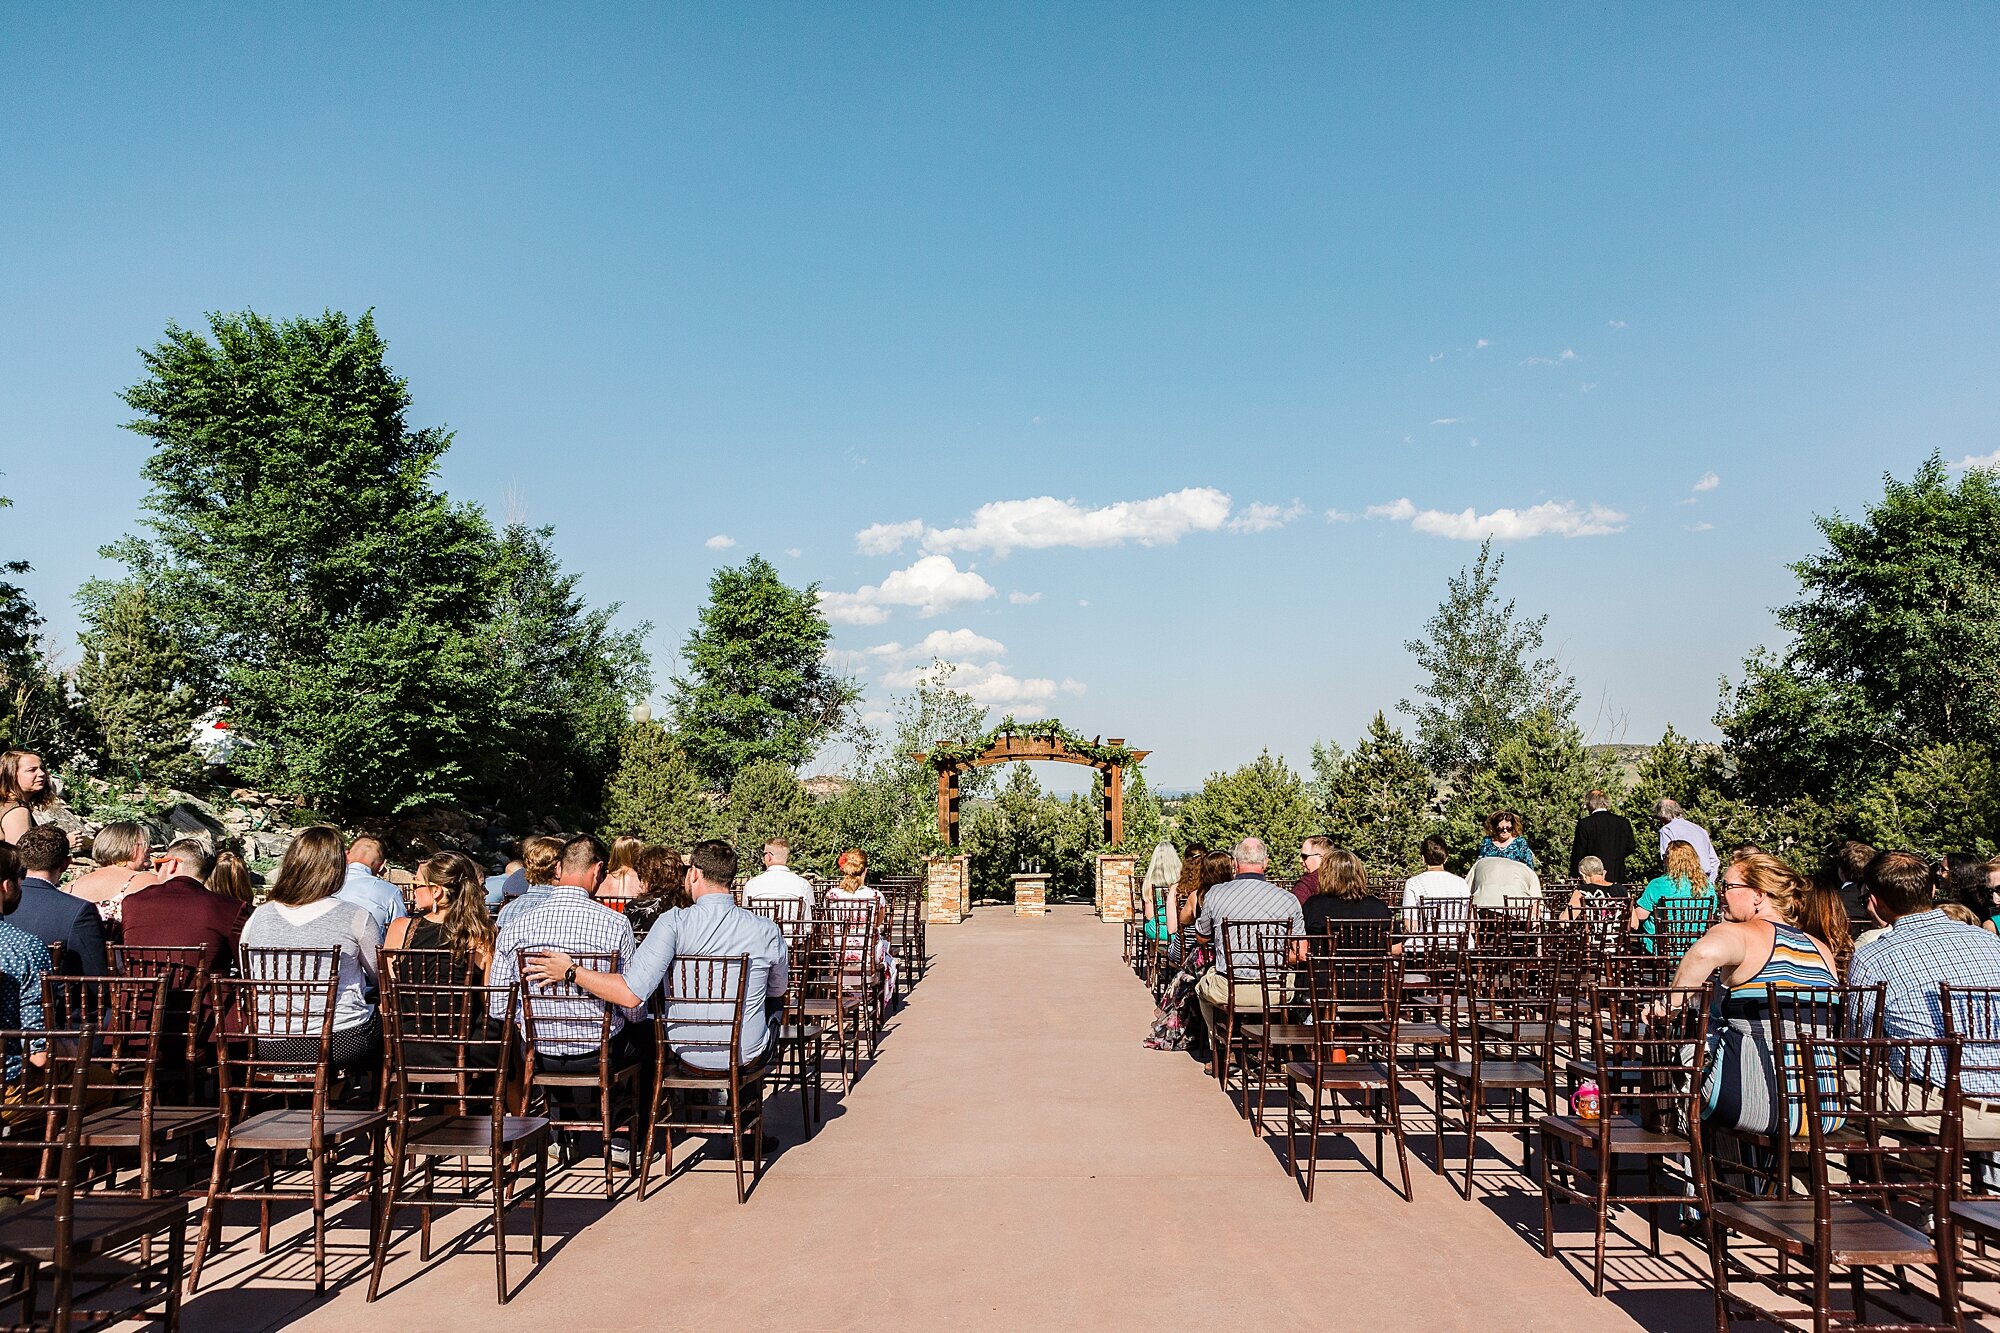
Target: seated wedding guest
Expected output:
[1495,879]
[1505,837]
[304,911]
[1165,927]
[124,855]
[1177,1020]
[662,889]
[1592,886]
[182,912]
[540,856]
[24,960]
[854,887]
[1763,952]
[777,880]
[1312,855]
[26,793]
[1163,868]
[1683,880]
[1849,860]
[1343,910]
[450,896]
[231,879]
[1434,883]
[509,883]
[1922,949]
[1248,896]
[1823,915]
[621,874]
[49,914]
[362,883]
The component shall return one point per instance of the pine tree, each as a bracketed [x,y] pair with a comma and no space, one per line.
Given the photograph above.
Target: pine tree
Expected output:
[1265,799]
[37,711]
[1542,772]
[766,801]
[138,687]
[757,683]
[1376,800]
[654,793]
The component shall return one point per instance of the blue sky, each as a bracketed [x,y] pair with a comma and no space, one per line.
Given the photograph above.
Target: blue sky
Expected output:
[1668,281]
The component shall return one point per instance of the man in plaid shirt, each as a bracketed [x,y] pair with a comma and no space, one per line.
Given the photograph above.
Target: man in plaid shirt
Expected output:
[570,1030]
[1924,948]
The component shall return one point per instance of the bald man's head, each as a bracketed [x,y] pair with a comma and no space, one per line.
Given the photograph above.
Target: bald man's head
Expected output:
[367,852]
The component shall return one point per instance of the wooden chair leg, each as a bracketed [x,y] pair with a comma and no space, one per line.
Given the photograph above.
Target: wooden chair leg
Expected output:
[500,1225]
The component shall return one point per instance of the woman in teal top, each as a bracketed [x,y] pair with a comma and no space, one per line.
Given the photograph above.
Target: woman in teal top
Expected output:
[1683,879]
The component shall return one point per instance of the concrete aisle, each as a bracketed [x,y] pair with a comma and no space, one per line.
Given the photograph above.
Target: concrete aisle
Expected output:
[1015,1160]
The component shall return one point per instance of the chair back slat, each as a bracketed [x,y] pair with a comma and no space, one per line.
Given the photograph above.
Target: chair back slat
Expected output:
[561,1014]
[445,1056]
[704,1009]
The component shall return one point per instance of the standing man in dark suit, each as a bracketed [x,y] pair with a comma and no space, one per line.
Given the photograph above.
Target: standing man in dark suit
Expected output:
[1604,834]
[180,912]
[49,914]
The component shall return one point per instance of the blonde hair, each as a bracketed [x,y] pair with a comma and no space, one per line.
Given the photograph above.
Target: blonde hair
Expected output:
[1765,873]
[851,880]
[120,844]
[1684,863]
[1959,912]
[1342,875]
[625,851]
[540,855]
[231,878]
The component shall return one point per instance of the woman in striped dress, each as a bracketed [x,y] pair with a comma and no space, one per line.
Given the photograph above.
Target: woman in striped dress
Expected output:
[1763,954]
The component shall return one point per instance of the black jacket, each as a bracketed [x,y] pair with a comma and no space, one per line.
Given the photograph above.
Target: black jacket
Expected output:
[1607,836]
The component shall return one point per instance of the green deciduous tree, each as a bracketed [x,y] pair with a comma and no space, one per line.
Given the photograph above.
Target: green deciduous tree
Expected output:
[654,792]
[567,676]
[138,686]
[1940,798]
[1265,799]
[757,683]
[322,582]
[766,801]
[1896,643]
[1376,800]
[889,809]
[1481,673]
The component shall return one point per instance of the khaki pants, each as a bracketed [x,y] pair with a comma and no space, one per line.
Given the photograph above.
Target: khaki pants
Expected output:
[1214,992]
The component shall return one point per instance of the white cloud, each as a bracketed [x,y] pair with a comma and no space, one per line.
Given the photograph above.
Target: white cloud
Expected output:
[1023,598]
[1263,517]
[794,552]
[1023,696]
[1483,342]
[1045,522]
[950,643]
[933,585]
[1982,461]
[1588,386]
[1709,481]
[1449,421]
[887,538]
[1700,527]
[1436,357]
[719,542]
[1567,354]
[1474,441]
[1616,323]
[1552,518]
[1336,516]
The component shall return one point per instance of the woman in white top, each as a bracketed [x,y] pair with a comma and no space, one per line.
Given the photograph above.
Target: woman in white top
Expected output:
[302,913]
[621,872]
[124,855]
[853,887]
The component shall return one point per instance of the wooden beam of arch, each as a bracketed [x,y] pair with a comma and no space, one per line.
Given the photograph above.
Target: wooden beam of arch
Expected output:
[1029,750]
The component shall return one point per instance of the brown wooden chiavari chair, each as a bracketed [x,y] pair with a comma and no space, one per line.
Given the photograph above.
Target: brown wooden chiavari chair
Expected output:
[58,1230]
[833,991]
[1435,915]
[1509,1033]
[798,1056]
[862,965]
[1430,1013]
[1855,1220]
[1496,932]
[1630,970]
[1389,888]
[1349,1082]
[128,1016]
[450,1070]
[788,914]
[1645,1050]
[263,1065]
[1771,1168]
[1367,936]
[1679,922]
[562,1021]
[703,1028]
[189,1021]
[1972,1018]
[1253,966]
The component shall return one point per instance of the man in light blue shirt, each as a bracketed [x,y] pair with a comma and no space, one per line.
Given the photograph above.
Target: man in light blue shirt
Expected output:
[365,887]
[1675,827]
[714,926]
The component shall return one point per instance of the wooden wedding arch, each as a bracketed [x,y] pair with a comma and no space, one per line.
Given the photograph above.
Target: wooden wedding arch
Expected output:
[1029,743]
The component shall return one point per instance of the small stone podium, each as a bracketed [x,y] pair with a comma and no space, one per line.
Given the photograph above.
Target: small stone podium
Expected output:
[1031,894]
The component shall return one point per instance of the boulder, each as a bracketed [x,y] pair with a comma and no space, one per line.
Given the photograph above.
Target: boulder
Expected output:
[185,818]
[267,846]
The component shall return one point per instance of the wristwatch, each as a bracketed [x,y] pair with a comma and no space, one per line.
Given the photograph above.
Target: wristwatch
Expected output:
[569,977]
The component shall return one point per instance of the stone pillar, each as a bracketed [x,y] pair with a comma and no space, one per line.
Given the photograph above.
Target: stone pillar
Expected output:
[1117,875]
[947,889]
[1031,895]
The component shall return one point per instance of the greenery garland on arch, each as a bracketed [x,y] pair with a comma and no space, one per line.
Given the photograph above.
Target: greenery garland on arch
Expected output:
[957,754]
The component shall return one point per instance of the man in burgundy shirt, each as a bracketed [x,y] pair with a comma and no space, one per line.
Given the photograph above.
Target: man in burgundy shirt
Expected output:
[180,911]
[1312,853]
